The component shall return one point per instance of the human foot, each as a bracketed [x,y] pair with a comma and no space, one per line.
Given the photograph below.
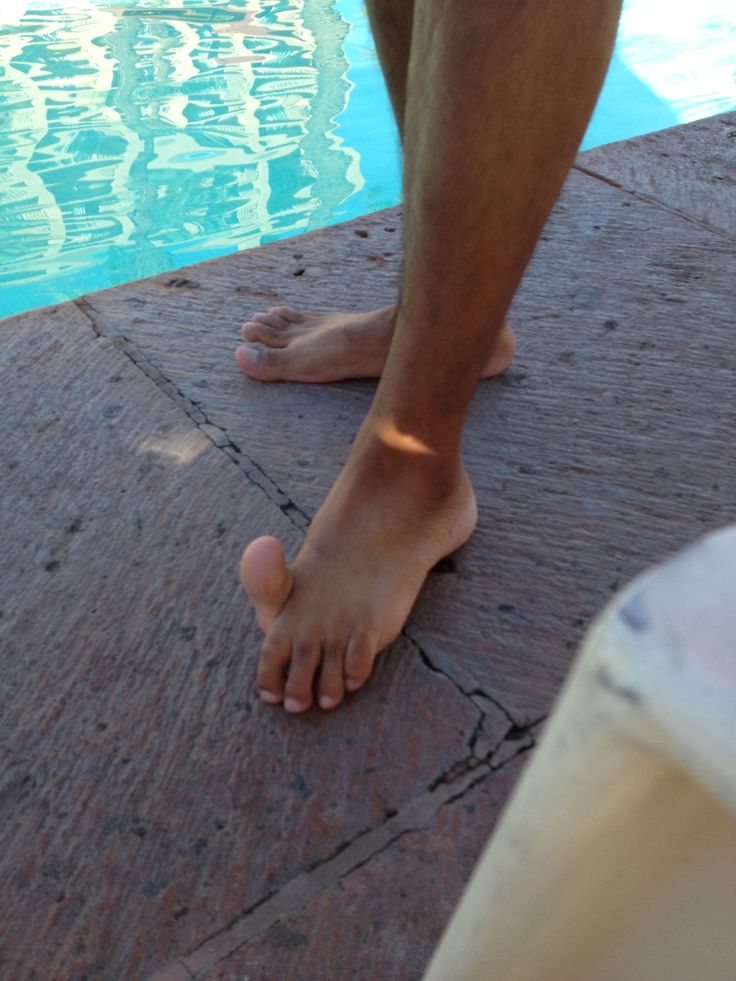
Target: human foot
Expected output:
[394,512]
[286,345]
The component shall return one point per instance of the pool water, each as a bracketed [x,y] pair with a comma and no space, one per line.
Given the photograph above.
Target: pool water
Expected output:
[143,136]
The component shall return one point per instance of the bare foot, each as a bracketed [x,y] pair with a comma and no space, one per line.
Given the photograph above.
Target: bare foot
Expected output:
[394,512]
[286,345]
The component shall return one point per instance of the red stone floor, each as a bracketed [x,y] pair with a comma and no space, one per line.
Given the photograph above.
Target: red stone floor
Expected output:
[157,820]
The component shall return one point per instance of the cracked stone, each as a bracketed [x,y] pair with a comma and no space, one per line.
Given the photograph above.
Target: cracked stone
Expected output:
[493,728]
[188,746]
[383,919]
[517,742]
[218,437]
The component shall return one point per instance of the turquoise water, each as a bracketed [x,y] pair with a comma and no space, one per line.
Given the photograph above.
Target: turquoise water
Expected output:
[137,138]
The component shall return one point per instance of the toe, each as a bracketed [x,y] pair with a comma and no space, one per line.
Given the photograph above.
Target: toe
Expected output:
[305,658]
[502,353]
[358,661]
[288,314]
[271,674]
[331,683]
[258,361]
[270,336]
[266,579]
[270,319]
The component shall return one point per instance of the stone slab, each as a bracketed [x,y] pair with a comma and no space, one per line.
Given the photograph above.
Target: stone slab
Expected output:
[384,919]
[602,449]
[147,797]
[189,325]
[690,169]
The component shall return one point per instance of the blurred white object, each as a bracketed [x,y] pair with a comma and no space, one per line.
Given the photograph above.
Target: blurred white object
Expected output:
[615,859]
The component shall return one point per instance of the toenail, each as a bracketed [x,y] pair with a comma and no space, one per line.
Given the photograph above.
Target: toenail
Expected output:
[251,354]
[268,696]
[351,684]
[291,705]
[327,701]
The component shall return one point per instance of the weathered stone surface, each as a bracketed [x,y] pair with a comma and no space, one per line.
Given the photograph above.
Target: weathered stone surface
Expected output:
[147,799]
[602,450]
[599,452]
[384,919]
[691,169]
[147,796]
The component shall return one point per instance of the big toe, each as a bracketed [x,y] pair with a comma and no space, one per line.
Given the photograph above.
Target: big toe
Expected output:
[266,579]
[260,361]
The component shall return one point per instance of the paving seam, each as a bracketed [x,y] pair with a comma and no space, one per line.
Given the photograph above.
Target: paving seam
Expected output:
[451,784]
[448,787]
[255,475]
[217,436]
[466,686]
[291,899]
[645,199]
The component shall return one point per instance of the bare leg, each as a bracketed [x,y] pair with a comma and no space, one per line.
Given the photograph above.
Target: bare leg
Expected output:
[404,499]
[391,24]
[284,344]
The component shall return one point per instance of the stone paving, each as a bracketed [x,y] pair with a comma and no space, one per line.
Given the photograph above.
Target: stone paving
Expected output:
[157,820]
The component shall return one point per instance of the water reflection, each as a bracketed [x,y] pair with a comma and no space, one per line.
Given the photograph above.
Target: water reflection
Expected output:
[139,138]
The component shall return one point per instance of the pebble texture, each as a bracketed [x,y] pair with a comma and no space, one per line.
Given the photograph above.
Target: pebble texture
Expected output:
[155,819]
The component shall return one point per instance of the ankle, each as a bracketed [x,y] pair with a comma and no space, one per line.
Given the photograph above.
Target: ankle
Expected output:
[435,438]
[388,454]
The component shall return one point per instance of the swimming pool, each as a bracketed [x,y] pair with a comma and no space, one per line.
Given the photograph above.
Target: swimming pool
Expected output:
[140,137]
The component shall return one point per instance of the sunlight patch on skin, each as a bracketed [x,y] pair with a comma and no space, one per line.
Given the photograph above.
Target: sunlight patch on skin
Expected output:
[390,434]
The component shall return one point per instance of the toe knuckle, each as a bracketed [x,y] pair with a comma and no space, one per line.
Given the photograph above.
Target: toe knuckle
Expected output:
[360,672]
[331,643]
[272,651]
[304,652]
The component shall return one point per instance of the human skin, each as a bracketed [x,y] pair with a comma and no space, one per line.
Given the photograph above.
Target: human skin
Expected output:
[493,102]
[283,344]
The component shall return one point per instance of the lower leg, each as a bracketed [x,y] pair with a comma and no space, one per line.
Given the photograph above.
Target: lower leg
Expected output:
[536,67]
[391,24]
[404,499]
[293,345]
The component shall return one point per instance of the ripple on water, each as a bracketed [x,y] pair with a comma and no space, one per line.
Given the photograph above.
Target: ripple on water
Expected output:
[141,137]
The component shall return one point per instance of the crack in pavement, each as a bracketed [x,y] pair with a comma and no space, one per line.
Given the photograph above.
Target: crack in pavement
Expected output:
[505,739]
[217,436]
[646,199]
[485,757]
[468,686]
[493,747]
[252,470]
[495,754]
[290,900]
